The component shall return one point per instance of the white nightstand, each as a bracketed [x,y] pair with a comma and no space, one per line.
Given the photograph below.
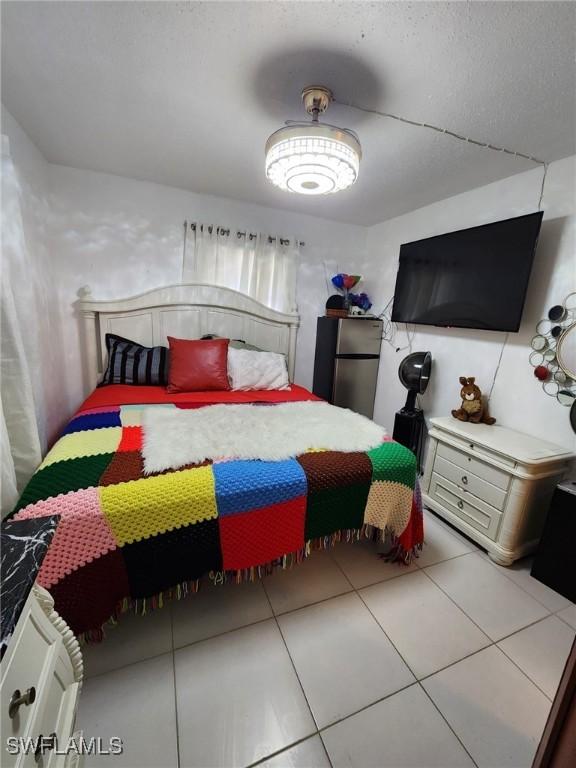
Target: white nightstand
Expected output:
[492,483]
[40,681]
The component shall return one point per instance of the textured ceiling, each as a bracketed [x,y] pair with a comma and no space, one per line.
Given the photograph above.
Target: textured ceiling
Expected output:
[186,94]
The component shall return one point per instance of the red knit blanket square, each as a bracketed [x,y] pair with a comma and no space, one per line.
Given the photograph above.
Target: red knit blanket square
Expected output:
[262,535]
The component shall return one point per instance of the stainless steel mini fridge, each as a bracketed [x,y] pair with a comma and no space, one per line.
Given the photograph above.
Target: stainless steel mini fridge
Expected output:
[346,361]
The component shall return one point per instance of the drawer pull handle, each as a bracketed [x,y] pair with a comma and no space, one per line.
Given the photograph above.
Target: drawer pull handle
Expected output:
[17,699]
[45,744]
[464,479]
[460,504]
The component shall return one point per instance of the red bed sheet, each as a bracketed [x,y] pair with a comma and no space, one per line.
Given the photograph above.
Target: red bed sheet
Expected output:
[128,394]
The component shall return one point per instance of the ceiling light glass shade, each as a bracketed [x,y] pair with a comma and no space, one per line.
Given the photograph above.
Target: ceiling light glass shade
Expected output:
[312,159]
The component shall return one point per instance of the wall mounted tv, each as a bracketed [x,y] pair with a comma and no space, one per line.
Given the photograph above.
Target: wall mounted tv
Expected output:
[473,278]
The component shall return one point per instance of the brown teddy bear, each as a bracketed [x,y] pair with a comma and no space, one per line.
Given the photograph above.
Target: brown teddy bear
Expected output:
[472,408]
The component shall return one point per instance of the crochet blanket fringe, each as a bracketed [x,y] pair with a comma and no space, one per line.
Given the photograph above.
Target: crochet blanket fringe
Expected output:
[142,606]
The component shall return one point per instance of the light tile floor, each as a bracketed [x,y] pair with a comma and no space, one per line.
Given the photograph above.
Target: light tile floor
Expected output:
[344,661]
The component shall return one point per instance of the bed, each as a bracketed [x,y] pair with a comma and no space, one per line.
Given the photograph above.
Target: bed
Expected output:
[127,539]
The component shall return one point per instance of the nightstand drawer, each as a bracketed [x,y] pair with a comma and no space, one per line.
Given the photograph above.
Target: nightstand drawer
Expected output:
[470,482]
[479,468]
[26,665]
[58,712]
[464,505]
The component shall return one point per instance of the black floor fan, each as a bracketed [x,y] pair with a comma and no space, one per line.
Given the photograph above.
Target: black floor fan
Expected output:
[409,424]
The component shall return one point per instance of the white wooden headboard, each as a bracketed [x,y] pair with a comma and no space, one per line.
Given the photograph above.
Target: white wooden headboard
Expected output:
[186,311]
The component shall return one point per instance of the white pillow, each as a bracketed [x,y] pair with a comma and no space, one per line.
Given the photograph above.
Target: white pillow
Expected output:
[256,370]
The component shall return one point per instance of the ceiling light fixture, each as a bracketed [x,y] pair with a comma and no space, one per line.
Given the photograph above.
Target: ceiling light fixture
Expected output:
[313,158]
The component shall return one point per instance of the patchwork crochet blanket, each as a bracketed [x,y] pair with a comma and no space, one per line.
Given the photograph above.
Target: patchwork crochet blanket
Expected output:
[129,539]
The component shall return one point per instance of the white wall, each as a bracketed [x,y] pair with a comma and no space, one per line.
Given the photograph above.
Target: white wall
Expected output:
[120,236]
[518,400]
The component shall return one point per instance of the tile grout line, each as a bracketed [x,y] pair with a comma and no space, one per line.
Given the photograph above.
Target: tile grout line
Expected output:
[523,672]
[439,562]
[278,752]
[437,708]
[365,707]
[454,532]
[503,573]
[342,571]
[532,623]
[452,600]
[127,666]
[563,619]
[492,643]
[175,692]
[486,557]
[499,568]
[327,727]
[424,570]
[308,605]
[416,679]
[292,663]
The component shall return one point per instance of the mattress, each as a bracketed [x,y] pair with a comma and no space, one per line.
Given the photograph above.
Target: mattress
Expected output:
[126,540]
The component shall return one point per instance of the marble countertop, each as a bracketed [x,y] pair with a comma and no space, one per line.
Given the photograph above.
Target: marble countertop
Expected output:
[24,544]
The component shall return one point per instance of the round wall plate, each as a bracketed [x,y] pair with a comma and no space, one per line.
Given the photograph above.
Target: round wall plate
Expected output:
[536,359]
[539,343]
[556,313]
[560,376]
[570,301]
[551,388]
[544,326]
[565,397]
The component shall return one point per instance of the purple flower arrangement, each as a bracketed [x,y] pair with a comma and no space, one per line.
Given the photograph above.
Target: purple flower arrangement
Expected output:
[344,283]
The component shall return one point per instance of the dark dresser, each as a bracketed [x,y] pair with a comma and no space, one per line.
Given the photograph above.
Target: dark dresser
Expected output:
[555,561]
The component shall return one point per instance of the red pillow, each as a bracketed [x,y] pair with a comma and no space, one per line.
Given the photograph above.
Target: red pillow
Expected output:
[197,365]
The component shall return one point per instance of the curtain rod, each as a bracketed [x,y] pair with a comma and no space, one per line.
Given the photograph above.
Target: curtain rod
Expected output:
[250,235]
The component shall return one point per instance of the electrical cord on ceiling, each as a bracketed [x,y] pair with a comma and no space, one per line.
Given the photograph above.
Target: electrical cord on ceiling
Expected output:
[388,333]
[545,166]
[437,129]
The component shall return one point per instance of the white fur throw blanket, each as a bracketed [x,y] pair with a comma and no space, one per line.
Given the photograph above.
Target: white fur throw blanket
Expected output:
[175,437]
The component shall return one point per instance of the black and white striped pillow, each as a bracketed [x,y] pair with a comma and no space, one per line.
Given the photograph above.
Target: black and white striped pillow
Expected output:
[131,363]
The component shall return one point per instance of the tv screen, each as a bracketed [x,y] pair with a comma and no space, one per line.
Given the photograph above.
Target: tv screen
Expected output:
[473,278]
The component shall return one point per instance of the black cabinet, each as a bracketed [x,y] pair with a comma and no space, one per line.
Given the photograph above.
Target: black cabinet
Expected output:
[555,560]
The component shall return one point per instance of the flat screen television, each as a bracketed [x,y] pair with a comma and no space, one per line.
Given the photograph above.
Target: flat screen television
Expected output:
[473,278]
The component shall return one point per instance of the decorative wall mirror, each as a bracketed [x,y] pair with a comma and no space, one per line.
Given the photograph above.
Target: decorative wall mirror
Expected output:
[553,355]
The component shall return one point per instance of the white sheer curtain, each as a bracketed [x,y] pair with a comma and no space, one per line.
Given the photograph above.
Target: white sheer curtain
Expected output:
[20,440]
[261,266]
